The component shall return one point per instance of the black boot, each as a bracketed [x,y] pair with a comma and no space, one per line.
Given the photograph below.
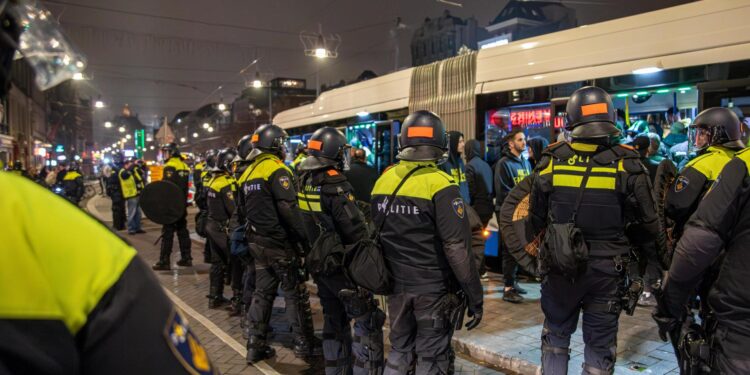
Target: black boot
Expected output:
[307,346]
[258,350]
[164,252]
[235,307]
[185,262]
[216,287]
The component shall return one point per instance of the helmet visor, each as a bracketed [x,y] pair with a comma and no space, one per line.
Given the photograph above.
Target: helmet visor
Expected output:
[49,53]
[699,138]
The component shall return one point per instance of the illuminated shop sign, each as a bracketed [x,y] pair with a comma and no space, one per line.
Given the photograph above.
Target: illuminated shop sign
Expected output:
[538,116]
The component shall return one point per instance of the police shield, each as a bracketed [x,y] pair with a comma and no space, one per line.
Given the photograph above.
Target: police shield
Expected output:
[665,177]
[515,226]
[163,202]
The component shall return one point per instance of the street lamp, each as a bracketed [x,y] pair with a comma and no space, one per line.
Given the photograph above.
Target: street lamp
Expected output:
[128,136]
[257,83]
[210,130]
[206,125]
[121,129]
[222,107]
[183,140]
[195,135]
[107,124]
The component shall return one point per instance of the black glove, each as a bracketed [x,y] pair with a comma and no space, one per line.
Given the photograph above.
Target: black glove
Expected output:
[476,317]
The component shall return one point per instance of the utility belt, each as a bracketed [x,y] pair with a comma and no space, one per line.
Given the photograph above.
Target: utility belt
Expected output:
[696,348]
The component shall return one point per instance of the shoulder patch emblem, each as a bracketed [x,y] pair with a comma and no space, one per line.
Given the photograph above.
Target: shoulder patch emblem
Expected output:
[681,183]
[458,207]
[285,182]
[186,347]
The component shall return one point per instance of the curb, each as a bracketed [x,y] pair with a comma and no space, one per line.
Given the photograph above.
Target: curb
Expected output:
[499,360]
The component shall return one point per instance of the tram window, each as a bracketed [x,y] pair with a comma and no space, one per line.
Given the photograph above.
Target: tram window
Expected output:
[535,119]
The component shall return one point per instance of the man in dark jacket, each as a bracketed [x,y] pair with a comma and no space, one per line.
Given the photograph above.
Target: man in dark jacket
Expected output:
[454,166]
[479,179]
[509,171]
[361,176]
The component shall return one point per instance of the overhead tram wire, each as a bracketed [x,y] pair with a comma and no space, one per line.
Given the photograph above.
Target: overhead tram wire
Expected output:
[171,18]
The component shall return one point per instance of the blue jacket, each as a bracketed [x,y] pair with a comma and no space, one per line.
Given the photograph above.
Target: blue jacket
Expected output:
[455,168]
[479,180]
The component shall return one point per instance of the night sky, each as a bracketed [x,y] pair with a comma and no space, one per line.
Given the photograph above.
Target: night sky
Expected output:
[162,57]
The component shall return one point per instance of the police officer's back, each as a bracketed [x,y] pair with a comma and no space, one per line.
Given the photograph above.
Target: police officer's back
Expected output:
[73,184]
[177,172]
[426,243]
[615,192]
[328,205]
[720,225]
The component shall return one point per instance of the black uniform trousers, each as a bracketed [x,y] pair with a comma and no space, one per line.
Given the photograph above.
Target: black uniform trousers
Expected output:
[416,329]
[118,214]
[274,268]
[219,257]
[723,364]
[338,347]
[183,237]
[562,302]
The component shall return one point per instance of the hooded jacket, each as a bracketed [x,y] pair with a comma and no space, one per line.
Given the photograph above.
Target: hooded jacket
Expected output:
[537,146]
[479,181]
[454,166]
[509,171]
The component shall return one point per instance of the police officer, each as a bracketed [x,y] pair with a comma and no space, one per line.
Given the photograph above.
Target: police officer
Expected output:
[220,198]
[131,185]
[425,238]
[238,243]
[76,310]
[717,137]
[276,238]
[719,226]
[177,172]
[73,184]
[201,176]
[590,183]
[115,193]
[300,155]
[328,205]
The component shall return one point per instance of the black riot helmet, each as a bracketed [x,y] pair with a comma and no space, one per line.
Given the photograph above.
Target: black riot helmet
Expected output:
[210,157]
[224,160]
[170,149]
[422,138]
[244,146]
[327,147]
[590,114]
[267,139]
[721,125]
[118,159]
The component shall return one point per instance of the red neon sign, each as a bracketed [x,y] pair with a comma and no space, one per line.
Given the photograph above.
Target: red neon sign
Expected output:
[530,118]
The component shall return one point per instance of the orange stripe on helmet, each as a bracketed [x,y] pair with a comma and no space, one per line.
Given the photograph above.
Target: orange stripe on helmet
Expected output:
[254,139]
[420,132]
[315,145]
[594,109]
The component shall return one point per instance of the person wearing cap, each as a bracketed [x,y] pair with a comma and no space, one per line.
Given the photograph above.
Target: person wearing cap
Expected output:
[328,207]
[715,137]
[425,238]
[580,195]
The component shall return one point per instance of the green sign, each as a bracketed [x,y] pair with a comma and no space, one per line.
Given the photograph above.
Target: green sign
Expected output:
[140,142]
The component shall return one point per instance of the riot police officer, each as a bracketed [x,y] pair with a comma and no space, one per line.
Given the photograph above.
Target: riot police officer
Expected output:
[276,238]
[584,194]
[220,197]
[238,242]
[716,136]
[201,176]
[328,207]
[73,184]
[177,172]
[719,226]
[425,237]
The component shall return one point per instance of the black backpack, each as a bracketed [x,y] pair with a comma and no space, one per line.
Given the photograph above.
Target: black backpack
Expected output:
[364,261]
[564,249]
[326,253]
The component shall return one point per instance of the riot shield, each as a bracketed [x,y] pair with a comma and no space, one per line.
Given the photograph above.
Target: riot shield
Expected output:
[163,202]
[665,176]
[515,229]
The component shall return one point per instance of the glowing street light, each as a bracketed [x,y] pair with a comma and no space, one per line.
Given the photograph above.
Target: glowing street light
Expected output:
[128,136]
[107,124]
[99,104]
[78,76]
[210,130]
[222,107]
[321,53]
[206,125]
[195,135]
[183,140]
[121,129]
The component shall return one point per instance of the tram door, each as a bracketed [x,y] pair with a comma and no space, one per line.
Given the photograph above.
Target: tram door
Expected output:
[378,139]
